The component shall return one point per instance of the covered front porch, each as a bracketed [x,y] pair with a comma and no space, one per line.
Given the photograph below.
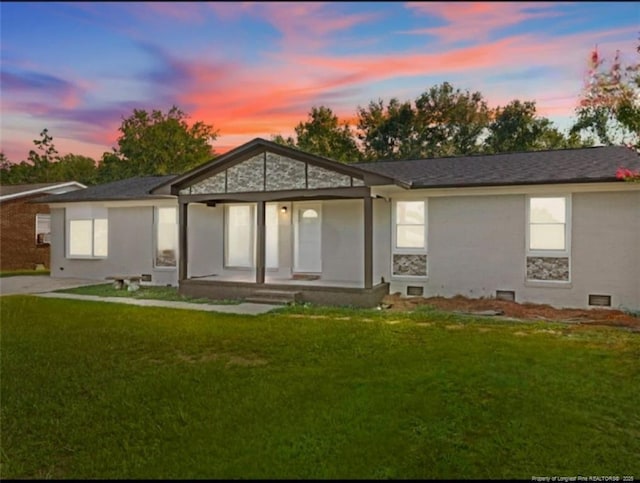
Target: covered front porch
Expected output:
[271,218]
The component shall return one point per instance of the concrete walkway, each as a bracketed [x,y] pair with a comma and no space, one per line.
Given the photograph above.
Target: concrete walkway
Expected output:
[242,308]
[23,284]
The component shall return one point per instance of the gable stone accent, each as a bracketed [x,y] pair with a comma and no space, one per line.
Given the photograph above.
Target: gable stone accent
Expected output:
[271,172]
[323,178]
[246,176]
[285,173]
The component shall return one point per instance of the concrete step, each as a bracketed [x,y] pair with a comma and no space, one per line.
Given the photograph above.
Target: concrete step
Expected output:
[276,297]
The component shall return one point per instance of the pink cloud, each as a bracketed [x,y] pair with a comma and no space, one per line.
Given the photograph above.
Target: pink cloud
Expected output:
[476,20]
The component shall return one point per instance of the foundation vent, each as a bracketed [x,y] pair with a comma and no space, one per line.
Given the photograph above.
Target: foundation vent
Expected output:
[508,295]
[600,300]
[415,290]
[145,277]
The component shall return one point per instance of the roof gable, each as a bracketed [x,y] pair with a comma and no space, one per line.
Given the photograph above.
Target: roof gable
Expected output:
[266,166]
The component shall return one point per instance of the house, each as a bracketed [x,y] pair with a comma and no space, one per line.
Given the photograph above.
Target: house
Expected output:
[552,227]
[25,226]
[116,228]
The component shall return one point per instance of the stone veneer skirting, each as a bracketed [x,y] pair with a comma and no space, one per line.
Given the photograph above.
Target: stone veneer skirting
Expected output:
[412,265]
[548,268]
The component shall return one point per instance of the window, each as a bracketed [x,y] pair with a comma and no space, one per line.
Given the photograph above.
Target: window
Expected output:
[410,224]
[548,224]
[166,230]
[43,229]
[240,220]
[271,234]
[88,238]
[409,257]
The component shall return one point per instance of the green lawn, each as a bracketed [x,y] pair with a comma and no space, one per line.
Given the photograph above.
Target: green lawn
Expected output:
[15,273]
[144,292]
[96,390]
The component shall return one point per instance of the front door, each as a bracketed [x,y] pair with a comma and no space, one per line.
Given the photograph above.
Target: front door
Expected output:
[307,238]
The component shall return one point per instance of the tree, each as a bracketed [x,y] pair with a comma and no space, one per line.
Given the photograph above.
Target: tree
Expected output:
[517,127]
[444,122]
[322,134]
[450,122]
[75,167]
[43,159]
[159,143]
[387,133]
[610,103]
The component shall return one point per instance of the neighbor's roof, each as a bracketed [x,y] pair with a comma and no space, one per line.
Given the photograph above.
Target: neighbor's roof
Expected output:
[586,165]
[127,189]
[8,192]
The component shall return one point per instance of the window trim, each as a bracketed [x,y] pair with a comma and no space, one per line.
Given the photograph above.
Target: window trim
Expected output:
[252,237]
[395,250]
[156,225]
[93,256]
[542,252]
[551,253]
[47,236]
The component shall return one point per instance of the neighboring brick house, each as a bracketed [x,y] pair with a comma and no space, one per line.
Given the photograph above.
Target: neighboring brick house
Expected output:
[25,226]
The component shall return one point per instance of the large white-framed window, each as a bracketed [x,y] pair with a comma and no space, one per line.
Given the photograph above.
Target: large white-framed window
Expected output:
[240,221]
[240,235]
[548,225]
[409,238]
[88,238]
[87,232]
[43,229]
[271,235]
[166,236]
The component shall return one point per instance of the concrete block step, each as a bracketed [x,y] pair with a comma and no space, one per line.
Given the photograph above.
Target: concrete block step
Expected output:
[280,297]
[268,300]
[289,294]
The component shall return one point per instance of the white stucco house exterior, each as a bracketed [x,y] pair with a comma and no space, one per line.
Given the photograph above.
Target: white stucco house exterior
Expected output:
[552,227]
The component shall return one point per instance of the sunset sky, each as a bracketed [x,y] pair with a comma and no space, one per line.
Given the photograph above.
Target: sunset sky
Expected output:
[256,69]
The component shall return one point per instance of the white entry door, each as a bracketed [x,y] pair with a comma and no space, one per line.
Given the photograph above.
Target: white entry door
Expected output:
[307,238]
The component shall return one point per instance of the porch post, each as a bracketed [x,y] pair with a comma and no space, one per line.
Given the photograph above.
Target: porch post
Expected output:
[261,252]
[368,241]
[183,211]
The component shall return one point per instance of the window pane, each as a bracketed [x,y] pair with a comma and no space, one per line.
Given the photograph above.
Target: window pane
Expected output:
[547,210]
[271,235]
[80,237]
[166,237]
[410,236]
[547,237]
[100,237]
[43,228]
[410,212]
[239,236]
[167,215]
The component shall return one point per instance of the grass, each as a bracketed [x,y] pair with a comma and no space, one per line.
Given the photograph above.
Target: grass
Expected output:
[93,390]
[144,292]
[15,273]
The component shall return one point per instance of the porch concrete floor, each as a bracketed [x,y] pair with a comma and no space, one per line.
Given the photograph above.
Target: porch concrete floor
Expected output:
[251,278]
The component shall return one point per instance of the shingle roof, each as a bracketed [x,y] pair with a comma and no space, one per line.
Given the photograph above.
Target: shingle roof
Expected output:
[126,189]
[20,190]
[596,164]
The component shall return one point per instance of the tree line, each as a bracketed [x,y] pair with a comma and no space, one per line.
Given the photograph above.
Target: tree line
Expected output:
[442,121]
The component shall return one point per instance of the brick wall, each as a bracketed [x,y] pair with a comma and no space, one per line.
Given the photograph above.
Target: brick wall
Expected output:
[18,249]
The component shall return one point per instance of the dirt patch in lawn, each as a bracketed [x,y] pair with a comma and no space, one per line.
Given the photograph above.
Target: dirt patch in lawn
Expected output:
[515,310]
